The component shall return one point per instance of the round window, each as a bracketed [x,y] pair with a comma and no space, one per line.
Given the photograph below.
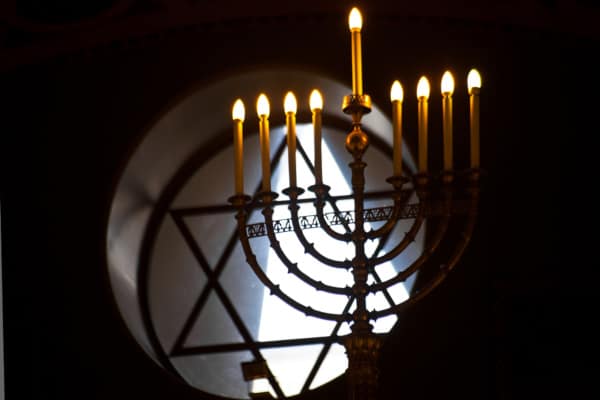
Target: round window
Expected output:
[180,275]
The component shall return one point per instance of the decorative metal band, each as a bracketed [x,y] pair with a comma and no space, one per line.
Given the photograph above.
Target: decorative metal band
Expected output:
[343,217]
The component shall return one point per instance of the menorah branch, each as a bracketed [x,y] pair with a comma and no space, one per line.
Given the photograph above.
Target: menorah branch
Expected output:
[397,182]
[293,267]
[310,247]
[274,289]
[321,192]
[444,269]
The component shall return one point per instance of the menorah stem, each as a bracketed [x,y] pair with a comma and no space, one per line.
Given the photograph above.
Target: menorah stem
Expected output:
[359,262]
[362,345]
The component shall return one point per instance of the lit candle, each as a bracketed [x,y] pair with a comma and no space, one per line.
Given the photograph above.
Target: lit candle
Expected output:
[262,108]
[316,105]
[423,96]
[238,113]
[355,23]
[290,107]
[397,95]
[447,90]
[474,85]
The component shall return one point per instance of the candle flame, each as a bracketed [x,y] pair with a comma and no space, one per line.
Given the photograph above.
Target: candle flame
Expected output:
[473,79]
[316,100]
[355,19]
[396,93]
[447,83]
[262,106]
[289,103]
[423,88]
[238,112]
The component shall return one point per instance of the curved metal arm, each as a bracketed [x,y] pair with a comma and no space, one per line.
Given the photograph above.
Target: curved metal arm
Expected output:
[404,274]
[273,288]
[345,237]
[310,247]
[409,237]
[293,267]
[445,269]
[321,191]
[421,185]
[389,224]
[441,275]
[432,246]
[397,182]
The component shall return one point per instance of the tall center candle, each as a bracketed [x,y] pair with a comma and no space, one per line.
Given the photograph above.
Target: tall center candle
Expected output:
[355,24]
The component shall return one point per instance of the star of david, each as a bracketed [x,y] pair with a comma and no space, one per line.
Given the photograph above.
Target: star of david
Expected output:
[213,272]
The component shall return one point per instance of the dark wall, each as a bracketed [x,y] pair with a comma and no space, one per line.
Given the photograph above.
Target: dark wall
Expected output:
[69,124]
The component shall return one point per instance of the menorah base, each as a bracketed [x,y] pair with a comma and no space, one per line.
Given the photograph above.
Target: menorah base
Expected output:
[362,349]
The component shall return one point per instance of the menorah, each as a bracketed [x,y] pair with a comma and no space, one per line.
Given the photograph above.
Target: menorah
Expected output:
[445,197]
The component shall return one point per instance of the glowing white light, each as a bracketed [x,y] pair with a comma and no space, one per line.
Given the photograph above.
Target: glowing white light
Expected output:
[238,111]
[423,88]
[355,19]
[396,92]
[473,79]
[447,83]
[289,103]
[316,100]
[262,106]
